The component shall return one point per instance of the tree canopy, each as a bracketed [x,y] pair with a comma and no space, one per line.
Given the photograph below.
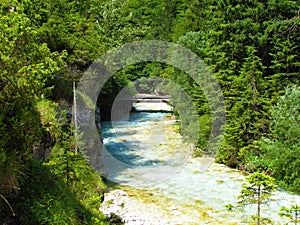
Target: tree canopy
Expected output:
[252,47]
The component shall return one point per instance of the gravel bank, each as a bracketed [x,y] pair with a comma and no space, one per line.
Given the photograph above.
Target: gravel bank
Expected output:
[135,212]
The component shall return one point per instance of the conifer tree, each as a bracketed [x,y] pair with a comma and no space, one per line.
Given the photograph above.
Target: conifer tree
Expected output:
[257,192]
[293,213]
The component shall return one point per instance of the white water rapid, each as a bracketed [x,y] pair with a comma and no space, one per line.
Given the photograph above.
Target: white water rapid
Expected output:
[165,184]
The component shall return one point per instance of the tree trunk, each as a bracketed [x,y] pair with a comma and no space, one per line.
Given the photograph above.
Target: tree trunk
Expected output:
[258,205]
[75,113]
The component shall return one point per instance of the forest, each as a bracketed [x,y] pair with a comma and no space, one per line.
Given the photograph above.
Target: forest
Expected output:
[252,47]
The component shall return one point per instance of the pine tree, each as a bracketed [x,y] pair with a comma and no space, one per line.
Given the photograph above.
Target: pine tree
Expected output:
[293,213]
[257,191]
[279,153]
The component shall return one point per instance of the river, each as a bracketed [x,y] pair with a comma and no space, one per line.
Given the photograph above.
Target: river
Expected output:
[152,163]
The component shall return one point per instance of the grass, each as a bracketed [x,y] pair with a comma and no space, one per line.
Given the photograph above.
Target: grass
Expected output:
[44,198]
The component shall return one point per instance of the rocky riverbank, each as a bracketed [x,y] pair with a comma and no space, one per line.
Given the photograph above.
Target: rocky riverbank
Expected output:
[133,211]
[192,197]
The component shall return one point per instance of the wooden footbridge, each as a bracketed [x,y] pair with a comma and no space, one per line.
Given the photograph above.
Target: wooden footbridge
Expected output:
[151,103]
[140,98]
[147,103]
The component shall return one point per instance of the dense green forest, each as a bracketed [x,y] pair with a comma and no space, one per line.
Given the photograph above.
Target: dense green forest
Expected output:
[252,47]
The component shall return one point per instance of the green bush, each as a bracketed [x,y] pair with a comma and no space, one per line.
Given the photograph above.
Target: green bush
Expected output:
[44,198]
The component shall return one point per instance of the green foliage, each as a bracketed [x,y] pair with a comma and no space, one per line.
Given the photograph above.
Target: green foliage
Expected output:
[63,190]
[279,154]
[293,213]
[251,46]
[285,117]
[257,191]
[242,61]
[72,171]
[25,67]
[46,199]
[49,119]
[27,118]
[259,188]
[70,26]
[205,128]
[64,161]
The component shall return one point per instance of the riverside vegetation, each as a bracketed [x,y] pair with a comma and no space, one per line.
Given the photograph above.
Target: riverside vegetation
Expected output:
[252,47]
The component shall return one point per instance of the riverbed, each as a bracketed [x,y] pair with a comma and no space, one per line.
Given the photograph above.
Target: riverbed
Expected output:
[164,184]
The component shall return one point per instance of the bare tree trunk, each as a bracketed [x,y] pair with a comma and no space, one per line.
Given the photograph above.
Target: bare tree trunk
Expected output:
[258,206]
[75,113]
